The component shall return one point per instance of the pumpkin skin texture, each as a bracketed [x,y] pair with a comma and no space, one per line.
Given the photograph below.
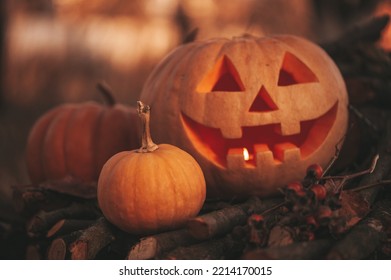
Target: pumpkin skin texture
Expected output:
[75,140]
[144,192]
[281,99]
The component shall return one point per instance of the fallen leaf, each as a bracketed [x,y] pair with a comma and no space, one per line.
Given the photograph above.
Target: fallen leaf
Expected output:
[353,208]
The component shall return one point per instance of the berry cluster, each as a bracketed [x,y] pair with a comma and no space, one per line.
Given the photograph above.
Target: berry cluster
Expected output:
[308,206]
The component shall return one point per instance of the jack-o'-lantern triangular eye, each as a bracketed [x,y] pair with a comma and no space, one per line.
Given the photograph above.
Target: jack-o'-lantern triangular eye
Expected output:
[294,71]
[263,102]
[223,77]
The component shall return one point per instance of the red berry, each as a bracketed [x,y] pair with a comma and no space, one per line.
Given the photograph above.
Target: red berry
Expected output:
[296,187]
[256,221]
[315,171]
[319,191]
[256,218]
[324,213]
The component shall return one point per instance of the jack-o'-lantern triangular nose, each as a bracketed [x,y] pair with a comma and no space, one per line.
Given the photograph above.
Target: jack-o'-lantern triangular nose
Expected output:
[263,102]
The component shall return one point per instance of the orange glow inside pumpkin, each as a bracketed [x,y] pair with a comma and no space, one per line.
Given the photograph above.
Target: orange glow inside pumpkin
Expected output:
[223,77]
[294,71]
[263,102]
[260,141]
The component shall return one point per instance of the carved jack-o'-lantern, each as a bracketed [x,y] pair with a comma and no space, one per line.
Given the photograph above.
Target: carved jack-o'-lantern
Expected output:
[254,112]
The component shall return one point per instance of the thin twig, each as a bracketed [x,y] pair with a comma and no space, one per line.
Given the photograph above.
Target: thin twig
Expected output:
[345,178]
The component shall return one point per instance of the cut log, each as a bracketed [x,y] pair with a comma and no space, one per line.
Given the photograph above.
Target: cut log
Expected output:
[297,251]
[92,240]
[152,247]
[40,223]
[214,249]
[220,222]
[59,249]
[65,226]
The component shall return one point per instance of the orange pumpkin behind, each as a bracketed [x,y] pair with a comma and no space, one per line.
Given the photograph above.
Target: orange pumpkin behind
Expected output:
[77,139]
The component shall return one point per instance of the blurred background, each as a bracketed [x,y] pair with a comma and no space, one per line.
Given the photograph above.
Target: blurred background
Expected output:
[55,51]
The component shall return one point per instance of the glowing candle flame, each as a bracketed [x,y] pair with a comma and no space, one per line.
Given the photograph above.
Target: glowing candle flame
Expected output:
[246,155]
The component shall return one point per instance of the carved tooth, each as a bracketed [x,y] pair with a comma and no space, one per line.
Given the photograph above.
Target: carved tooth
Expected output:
[288,128]
[232,132]
[264,156]
[287,152]
[235,158]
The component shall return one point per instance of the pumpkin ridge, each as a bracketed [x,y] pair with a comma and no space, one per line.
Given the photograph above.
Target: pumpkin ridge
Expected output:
[78,139]
[67,128]
[167,160]
[185,164]
[117,190]
[131,208]
[117,157]
[262,47]
[178,65]
[96,138]
[35,146]
[54,155]
[197,52]
[159,196]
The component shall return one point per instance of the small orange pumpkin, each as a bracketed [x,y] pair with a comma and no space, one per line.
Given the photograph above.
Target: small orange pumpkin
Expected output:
[77,139]
[151,189]
[254,112]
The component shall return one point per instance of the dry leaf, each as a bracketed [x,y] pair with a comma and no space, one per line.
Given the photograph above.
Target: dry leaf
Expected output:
[353,208]
[280,236]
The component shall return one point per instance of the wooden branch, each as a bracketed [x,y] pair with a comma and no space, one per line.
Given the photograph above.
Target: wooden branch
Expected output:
[92,240]
[40,223]
[210,206]
[33,252]
[214,249]
[28,199]
[297,251]
[360,242]
[221,222]
[65,226]
[71,186]
[152,247]
[36,249]
[59,248]
[367,236]
[121,246]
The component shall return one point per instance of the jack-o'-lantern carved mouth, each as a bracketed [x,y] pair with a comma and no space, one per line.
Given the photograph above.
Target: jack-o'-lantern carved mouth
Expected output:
[259,144]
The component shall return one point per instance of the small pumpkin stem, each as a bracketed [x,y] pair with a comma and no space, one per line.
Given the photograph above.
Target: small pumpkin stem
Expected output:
[147,144]
[107,93]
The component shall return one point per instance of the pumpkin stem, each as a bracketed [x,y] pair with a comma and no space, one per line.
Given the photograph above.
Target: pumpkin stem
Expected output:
[107,93]
[147,144]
